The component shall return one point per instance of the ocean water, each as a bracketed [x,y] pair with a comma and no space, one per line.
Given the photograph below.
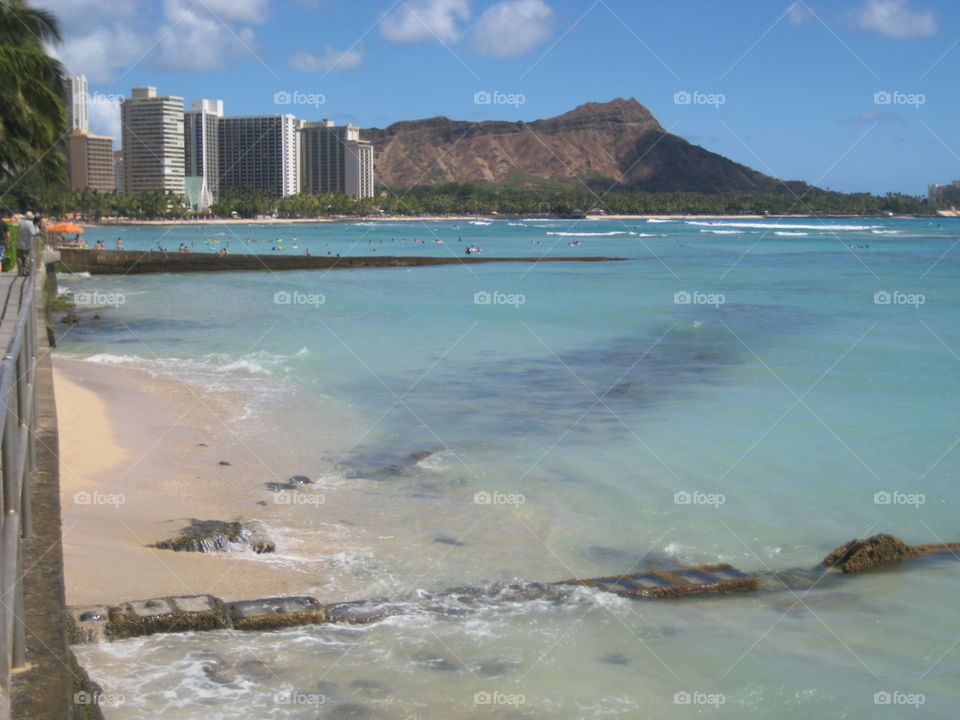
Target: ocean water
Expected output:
[755,392]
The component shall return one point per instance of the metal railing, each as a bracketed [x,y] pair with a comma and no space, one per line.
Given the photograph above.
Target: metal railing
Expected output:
[18,423]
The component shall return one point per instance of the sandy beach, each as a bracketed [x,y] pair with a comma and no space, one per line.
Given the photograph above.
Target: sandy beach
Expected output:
[139,457]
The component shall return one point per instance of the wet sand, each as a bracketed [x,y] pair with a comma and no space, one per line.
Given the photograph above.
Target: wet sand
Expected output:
[134,468]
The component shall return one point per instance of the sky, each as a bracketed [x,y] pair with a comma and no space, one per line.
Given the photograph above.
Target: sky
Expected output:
[851,95]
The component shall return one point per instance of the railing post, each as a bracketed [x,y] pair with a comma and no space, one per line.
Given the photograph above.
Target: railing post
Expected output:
[28,410]
[8,592]
[11,430]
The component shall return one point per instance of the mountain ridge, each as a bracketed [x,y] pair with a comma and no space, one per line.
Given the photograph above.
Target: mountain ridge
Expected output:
[598,144]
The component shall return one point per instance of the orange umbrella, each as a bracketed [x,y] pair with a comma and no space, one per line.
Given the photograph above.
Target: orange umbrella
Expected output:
[66,228]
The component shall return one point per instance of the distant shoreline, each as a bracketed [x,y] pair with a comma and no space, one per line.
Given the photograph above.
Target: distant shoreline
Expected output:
[467,218]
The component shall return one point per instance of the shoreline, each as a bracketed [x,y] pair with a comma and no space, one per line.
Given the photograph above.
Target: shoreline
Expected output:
[468,218]
[140,457]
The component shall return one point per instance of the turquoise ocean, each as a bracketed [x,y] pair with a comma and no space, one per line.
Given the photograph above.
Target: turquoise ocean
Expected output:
[754,392]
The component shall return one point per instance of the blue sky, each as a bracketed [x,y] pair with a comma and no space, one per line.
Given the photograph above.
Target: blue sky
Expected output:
[785,87]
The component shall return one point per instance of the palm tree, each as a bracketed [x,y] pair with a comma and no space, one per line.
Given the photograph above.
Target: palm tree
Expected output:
[32,115]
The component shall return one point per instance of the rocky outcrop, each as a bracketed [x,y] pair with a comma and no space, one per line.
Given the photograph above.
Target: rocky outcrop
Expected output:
[218,536]
[880,550]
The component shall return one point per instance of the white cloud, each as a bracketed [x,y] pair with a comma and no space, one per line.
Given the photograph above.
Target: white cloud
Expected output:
[103,40]
[104,116]
[330,60]
[418,20]
[894,19]
[799,13]
[81,15]
[512,27]
[198,39]
[252,12]
[102,53]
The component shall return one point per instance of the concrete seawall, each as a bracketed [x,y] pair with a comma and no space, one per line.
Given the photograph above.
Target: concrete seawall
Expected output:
[126,262]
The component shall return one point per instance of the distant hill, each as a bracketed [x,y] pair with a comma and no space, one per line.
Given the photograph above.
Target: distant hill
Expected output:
[597,143]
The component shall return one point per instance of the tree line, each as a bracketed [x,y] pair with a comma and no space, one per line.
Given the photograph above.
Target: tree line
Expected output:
[456,198]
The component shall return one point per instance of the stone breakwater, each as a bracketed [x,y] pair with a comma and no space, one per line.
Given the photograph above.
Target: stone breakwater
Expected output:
[206,612]
[134,262]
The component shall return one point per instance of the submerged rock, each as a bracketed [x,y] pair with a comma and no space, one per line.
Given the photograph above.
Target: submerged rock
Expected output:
[615,658]
[251,667]
[859,555]
[385,467]
[371,688]
[433,661]
[217,536]
[496,668]
[219,673]
[349,711]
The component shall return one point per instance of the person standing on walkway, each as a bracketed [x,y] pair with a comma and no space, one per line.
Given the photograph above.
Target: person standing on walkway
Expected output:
[29,228]
[4,242]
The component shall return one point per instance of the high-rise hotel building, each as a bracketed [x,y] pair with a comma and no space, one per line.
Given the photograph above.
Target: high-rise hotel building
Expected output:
[91,162]
[153,142]
[201,131]
[259,153]
[334,159]
[75,101]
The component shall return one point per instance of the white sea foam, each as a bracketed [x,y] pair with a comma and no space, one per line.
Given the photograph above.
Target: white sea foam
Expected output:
[792,234]
[659,220]
[590,234]
[480,222]
[885,232]
[257,364]
[722,232]
[825,227]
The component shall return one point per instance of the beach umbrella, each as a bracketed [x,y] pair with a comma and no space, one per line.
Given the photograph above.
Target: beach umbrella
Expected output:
[65,228]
